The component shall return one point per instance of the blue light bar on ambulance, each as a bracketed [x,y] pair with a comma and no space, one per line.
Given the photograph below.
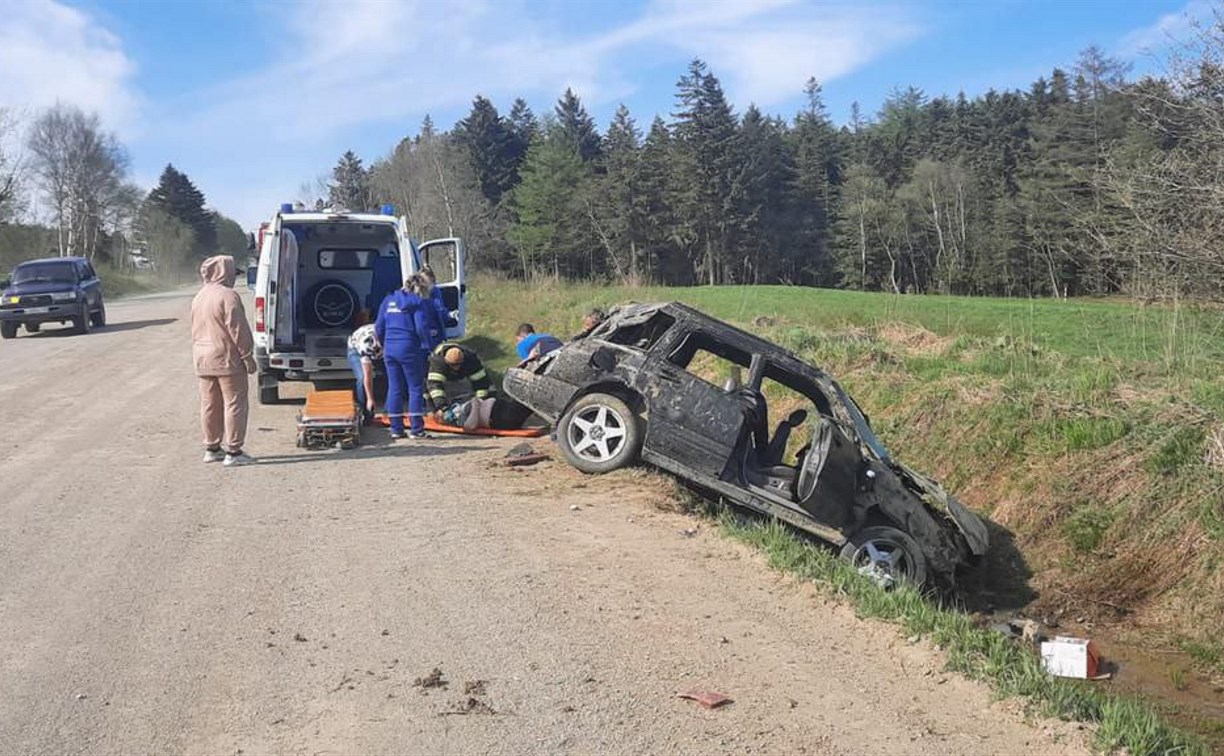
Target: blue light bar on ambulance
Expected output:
[286,207]
[388,209]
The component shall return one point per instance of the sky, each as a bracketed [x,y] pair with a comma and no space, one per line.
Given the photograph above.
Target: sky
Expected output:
[254,99]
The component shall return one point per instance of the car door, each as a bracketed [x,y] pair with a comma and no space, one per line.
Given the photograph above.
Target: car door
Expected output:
[93,286]
[693,422]
[445,258]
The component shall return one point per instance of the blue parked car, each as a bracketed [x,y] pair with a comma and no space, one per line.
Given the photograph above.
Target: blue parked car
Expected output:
[52,290]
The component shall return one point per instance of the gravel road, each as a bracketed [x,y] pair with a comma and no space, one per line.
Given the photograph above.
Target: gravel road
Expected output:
[152,604]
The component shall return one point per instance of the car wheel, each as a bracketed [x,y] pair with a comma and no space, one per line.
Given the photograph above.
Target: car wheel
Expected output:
[269,394]
[99,318]
[886,555]
[599,434]
[33,327]
[80,322]
[8,330]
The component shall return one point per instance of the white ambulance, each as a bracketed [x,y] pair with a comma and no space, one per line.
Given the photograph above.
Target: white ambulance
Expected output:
[321,273]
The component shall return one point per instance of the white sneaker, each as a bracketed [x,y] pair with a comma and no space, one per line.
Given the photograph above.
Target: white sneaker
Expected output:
[238,460]
[213,456]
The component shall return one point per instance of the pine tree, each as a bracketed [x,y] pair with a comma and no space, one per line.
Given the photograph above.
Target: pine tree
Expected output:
[817,178]
[708,171]
[575,127]
[617,209]
[176,197]
[491,146]
[350,185]
[660,255]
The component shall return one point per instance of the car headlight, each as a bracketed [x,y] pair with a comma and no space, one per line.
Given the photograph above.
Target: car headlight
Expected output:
[64,296]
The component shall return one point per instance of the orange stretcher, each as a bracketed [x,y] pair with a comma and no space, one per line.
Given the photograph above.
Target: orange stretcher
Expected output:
[437,427]
[330,418]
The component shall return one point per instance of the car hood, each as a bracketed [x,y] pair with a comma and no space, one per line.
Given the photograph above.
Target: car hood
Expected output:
[935,497]
[37,287]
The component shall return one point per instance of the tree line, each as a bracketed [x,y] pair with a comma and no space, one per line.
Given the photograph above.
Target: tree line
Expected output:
[65,190]
[1086,183]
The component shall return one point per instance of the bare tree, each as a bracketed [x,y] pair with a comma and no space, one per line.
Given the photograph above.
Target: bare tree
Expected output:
[80,169]
[11,165]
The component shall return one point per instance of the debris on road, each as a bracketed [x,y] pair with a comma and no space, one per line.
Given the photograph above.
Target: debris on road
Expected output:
[1070,657]
[574,507]
[708,698]
[433,680]
[299,637]
[474,688]
[469,705]
[689,532]
[521,455]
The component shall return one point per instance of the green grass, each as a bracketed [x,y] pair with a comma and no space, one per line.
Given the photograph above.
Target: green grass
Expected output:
[1010,669]
[1083,427]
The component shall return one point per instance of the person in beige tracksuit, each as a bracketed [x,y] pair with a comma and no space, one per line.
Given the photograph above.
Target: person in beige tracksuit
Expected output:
[222,347]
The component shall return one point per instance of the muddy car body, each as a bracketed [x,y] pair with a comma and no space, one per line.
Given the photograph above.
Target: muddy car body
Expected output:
[634,387]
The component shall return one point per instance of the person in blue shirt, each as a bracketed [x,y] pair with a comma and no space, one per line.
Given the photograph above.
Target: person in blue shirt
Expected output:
[406,327]
[531,344]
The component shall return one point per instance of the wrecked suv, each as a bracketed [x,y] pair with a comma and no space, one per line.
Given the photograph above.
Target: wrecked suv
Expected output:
[751,423]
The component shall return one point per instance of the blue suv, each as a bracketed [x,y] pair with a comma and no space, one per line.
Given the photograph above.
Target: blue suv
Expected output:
[52,290]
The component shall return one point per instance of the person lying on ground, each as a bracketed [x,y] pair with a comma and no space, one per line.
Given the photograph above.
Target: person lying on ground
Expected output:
[498,413]
[453,362]
[531,345]
[364,351]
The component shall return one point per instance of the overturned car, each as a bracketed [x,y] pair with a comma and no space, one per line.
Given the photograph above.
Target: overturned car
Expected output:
[667,384]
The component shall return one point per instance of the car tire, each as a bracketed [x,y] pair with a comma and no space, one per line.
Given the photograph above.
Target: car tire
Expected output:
[33,327]
[886,555]
[8,330]
[600,433]
[269,394]
[80,321]
[98,319]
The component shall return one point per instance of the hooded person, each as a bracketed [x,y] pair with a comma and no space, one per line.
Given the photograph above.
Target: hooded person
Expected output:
[405,326]
[222,348]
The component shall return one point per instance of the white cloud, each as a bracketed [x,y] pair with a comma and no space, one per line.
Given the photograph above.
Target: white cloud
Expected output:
[1167,30]
[51,52]
[343,68]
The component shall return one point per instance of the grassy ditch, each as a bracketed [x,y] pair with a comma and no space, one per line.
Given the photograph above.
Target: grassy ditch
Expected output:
[1091,431]
[1122,724]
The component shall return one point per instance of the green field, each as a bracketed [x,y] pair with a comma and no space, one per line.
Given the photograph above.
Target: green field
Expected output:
[1092,430]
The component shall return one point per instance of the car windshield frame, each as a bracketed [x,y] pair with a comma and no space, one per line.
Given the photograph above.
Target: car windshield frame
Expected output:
[45,272]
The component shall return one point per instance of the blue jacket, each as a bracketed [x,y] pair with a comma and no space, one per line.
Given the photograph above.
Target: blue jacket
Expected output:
[405,325]
[545,341]
[438,317]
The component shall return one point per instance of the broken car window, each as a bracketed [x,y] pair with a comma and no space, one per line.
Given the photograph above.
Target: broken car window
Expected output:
[710,360]
[642,335]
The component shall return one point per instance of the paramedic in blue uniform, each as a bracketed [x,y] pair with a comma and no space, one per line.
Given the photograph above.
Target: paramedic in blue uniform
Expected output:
[405,327]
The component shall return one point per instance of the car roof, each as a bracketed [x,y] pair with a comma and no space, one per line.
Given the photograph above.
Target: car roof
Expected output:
[755,344]
[51,260]
[326,217]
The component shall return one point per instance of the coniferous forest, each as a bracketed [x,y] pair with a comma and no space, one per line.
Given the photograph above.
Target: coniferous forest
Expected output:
[1088,183]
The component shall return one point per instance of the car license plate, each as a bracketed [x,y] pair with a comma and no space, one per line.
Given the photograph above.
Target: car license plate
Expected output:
[35,310]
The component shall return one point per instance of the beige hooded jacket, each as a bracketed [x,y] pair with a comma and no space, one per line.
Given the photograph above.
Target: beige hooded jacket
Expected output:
[221,341]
